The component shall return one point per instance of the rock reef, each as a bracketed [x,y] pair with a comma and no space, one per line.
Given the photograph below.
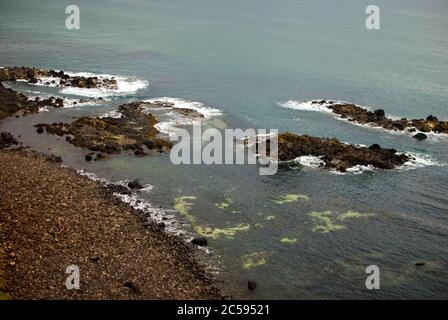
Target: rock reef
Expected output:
[56,78]
[12,102]
[378,117]
[336,155]
[134,130]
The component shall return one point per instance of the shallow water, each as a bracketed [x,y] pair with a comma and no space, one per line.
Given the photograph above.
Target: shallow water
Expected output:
[244,58]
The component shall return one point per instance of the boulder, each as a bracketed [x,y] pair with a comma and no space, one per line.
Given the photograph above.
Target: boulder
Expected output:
[199,241]
[420,136]
[135,184]
[251,285]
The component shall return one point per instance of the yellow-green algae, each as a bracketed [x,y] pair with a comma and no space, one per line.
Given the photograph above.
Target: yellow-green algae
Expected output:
[270,218]
[325,222]
[290,198]
[225,204]
[288,240]
[255,259]
[183,205]
[353,215]
[216,233]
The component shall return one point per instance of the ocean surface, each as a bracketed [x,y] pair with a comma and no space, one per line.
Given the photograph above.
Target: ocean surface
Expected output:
[304,233]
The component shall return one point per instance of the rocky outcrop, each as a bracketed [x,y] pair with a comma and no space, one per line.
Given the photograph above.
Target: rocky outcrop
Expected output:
[57,78]
[12,102]
[7,140]
[378,117]
[337,155]
[135,130]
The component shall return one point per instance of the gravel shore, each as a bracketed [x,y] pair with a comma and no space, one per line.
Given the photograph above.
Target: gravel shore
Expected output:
[51,218]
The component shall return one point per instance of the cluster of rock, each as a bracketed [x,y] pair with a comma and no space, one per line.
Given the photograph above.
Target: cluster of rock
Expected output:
[12,102]
[135,130]
[336,155]
[35,75]
[378,117]
[7,140]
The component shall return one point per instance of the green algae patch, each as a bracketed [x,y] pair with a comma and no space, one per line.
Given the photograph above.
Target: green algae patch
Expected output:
[353,215]
[324,222]
[255,259]
[269,218]
[216,233]
[183,205]
[288,198]
[288,240]
[225,204]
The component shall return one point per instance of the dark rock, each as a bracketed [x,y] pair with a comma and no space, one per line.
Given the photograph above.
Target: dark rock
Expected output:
[94,258]
[40,130]
[7,140]
[199,241]
[133,287]
[361,115]
[135,184]
[251,285]
[99,157]
[118,188]
[88,157]
[419,264]
[335,154]
[379,113]
[420,136]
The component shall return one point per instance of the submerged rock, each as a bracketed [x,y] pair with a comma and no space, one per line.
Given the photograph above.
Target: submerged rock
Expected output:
[251,285]
[337,155]
[378,117]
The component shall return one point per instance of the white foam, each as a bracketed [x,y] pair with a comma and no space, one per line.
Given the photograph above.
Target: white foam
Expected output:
[113,114]
[310,161]
[169,126]
[323,107]
[358,169]
[126,86]
[207,112]
[306,106]
[71,103]
[419,161]
[173,226]
[47,81]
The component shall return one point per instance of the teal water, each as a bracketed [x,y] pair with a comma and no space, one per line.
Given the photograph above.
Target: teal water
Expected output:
[244,57]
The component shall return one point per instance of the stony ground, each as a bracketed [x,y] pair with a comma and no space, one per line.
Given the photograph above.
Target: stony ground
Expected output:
[51,218]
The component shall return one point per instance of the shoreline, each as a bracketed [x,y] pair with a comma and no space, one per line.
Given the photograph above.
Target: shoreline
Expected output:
[119,256]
